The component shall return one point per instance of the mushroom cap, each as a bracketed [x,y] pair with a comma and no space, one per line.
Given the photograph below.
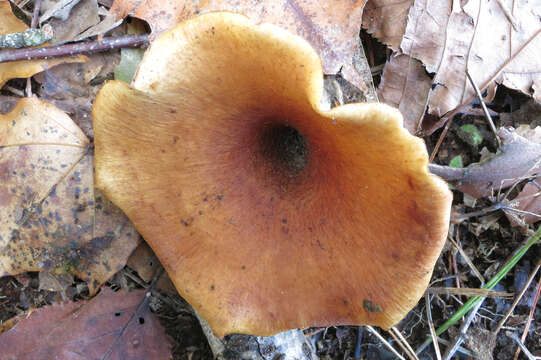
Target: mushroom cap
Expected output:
[268,212]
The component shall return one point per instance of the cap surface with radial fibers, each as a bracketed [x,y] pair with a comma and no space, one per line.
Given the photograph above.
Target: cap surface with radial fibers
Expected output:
[268,212]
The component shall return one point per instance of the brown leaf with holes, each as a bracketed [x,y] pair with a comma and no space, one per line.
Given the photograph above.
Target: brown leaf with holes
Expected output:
[332,28]
[466,37]
[405,85]
[111,325]
[51,218]
[452,36]
[22,69]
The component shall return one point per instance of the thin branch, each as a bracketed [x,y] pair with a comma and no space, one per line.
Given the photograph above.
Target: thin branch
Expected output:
[385,342]
[403,343]
[431,327]
[451,350]
[485,110]
[530,317]
[33,25]
[85,47]
[521,345]
[517,299]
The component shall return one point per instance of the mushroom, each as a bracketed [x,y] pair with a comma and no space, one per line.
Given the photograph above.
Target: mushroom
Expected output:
[268,212]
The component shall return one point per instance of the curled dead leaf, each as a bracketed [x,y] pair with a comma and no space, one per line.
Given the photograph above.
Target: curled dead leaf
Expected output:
[517,158]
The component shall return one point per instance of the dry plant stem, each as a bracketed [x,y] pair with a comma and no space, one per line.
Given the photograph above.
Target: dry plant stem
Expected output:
[431,327]
[530,317]
[406,343]
[447,173]
[385,342]
[35,16]
[13,90]
[521,345]
[395,334]
[485,110]
[451,350]
[447,117]
[482,212]
[468,292]
[460,349]
[440,141]
[509,16]
[517,299]
[466,258]
[85,47]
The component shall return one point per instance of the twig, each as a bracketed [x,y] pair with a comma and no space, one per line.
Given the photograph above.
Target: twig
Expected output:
[530,317]
[451,350]
[485,110]
[440,140]
[385,342]
[13,90]
[85,47]
[517,299]
[468,292]
[514,23]
[447,173]
[403,343]
[431,327]
[358,343]
[33,25]
[466,258]
[35,15]
[521,345]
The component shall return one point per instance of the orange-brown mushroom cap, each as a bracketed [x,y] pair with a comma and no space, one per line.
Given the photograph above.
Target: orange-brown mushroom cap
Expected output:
[268,212]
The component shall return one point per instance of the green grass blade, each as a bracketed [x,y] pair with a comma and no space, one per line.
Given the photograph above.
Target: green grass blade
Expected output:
[468,305]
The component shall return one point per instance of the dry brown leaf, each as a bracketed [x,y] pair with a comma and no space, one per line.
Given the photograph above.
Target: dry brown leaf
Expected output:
[386,20]
[449,37]
[111,325]
[22,69]
[69,87]
[516,159]
[528,201]
[331,27]
[51,217]
[146,264]
[528,113]
[405,85]
[81,17]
